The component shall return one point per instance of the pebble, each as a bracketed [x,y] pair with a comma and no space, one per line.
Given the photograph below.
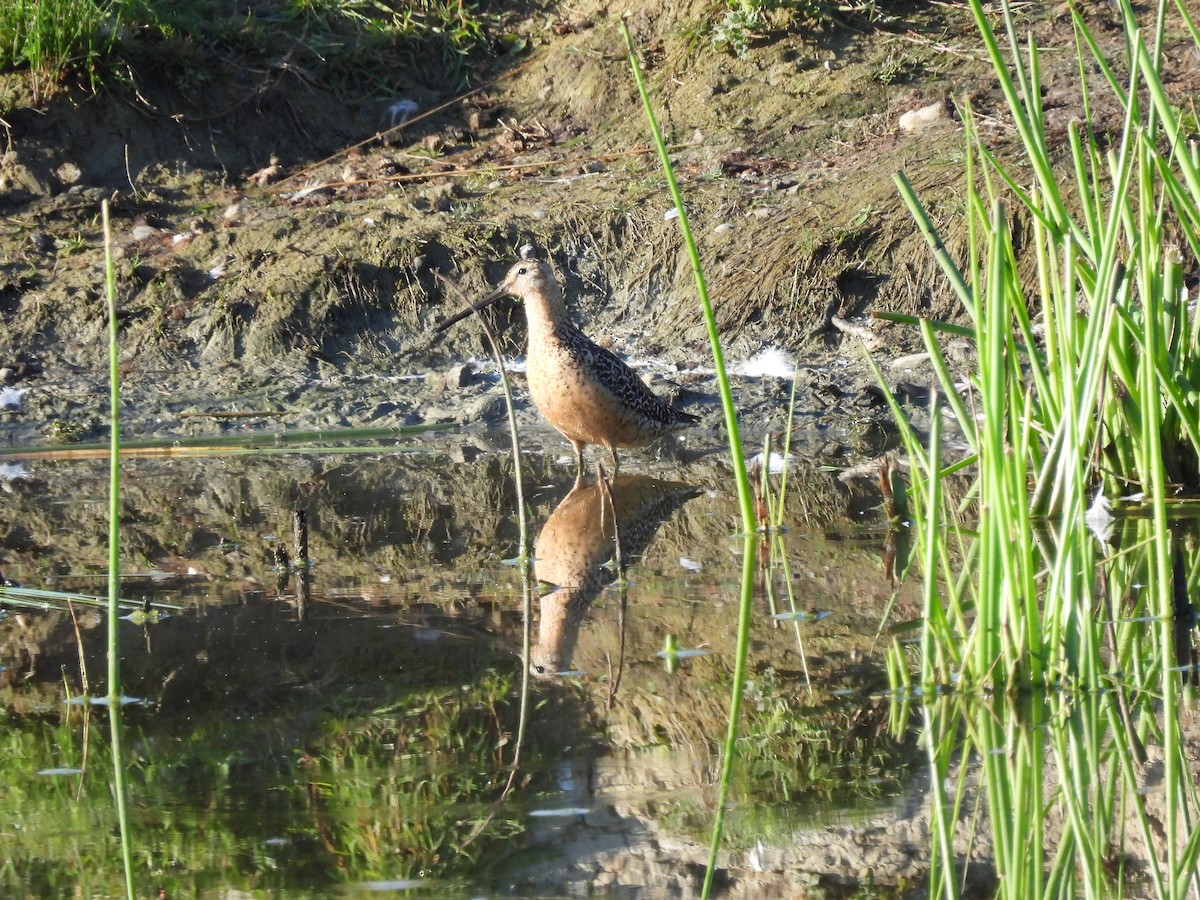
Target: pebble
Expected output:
[918,120]
[68,173]
[379,410]
[460,376]
[488,410]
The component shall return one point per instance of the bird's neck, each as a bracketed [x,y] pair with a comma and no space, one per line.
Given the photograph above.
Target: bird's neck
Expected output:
[546,314]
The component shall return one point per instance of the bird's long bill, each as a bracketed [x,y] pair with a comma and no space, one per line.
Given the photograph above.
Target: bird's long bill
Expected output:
[474,307]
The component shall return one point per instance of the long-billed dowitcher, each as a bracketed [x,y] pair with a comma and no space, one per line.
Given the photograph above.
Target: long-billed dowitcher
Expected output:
[583,390]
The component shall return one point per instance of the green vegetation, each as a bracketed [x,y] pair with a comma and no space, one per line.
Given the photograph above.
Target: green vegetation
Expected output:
[1089,387]
[52,43]
[1062,649]
[733,24]
[737,460]
[116,731]
[54,38]
[419,769]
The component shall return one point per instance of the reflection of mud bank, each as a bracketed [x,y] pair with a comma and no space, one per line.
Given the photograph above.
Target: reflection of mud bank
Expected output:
[644,828]
[411,600]
[390,535]
[258,655]
[370,515]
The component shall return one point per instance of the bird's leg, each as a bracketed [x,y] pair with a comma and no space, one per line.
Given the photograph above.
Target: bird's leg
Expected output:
[578,445]
[609,487]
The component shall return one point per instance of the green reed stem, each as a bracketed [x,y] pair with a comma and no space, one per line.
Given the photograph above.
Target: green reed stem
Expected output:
[934,240]
[120,788]
[729,750]
[524,553]
[789,426]
[931,536]
[737,458]
[736,454]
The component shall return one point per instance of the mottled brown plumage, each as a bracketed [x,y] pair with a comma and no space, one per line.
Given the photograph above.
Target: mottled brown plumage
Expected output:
[583,390]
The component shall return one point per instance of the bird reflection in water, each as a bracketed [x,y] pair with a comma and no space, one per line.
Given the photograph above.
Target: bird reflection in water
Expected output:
[572,551]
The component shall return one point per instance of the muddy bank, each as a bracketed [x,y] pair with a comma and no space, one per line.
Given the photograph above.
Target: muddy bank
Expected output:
[273,252]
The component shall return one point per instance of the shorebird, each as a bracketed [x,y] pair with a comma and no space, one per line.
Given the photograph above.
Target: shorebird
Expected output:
[583,390]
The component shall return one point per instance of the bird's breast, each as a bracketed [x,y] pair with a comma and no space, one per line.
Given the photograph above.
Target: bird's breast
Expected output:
[575,397]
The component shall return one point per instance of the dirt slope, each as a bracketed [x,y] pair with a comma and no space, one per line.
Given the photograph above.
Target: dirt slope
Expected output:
[274,248]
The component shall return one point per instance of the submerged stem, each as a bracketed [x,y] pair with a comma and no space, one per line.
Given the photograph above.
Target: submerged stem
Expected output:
[114,577]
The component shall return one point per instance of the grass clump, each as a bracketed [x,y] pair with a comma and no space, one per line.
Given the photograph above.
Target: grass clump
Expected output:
[732,25]
[356,41]
[1065,633]
[53,39]
[1085,379]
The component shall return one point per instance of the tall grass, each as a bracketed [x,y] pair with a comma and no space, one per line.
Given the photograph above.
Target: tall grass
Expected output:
[50,38]
[120,790]
[740,473]
[91,41]
[1084,383]
[1089,386]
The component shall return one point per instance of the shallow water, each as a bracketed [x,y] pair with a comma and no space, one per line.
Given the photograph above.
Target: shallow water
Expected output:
[353,729]
[383,721]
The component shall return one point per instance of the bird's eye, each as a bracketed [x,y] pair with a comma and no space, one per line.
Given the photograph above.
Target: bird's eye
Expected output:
[540,670]
[522,271]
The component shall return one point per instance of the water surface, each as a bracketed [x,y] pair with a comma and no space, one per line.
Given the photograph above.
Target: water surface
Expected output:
[351,727]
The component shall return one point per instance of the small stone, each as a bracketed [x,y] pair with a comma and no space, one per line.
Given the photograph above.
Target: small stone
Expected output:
[267,174]
[909,361]
[460,376]
[68,173]
[594,167]
[487,410]
[918,120]
[7,376]
[723,228]
[464,454]
[476,118]
[380,410]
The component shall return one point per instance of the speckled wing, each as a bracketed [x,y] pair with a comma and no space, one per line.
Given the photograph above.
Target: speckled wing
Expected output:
[623,382]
